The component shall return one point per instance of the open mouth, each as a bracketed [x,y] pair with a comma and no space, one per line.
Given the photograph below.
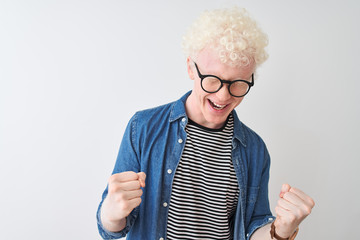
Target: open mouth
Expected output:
[217,106]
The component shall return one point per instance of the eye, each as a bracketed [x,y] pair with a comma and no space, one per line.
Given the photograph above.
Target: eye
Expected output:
[211,84]
[239,88]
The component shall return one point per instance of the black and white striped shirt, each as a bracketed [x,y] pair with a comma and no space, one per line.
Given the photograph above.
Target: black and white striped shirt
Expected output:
[205,190]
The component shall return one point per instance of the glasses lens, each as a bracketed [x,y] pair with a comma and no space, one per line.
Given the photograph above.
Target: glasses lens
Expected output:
[239,88]
[211,84]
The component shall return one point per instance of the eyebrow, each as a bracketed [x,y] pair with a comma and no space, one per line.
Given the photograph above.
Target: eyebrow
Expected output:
[205,75]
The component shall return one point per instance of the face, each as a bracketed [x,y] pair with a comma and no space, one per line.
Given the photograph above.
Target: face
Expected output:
[212,109]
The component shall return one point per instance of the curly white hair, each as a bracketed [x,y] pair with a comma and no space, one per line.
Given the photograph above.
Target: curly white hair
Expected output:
[235,36]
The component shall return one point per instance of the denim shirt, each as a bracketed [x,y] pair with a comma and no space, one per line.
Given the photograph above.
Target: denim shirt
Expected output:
[153,143]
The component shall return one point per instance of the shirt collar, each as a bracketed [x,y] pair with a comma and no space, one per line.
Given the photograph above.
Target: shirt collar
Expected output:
[239,132]
[178,108]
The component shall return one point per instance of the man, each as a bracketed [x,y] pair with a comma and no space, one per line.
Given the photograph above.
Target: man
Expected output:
[206,173]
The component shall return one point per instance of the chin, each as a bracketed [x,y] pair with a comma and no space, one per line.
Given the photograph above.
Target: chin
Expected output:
[217,122]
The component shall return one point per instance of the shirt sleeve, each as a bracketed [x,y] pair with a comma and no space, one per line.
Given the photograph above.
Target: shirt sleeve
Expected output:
[127,160]
[262,214]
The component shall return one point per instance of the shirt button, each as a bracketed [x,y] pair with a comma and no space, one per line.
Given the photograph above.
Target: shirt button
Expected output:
[270,219]
[183,120]
[161,238]
[165,204]
[247,235]
[169,171]
[180,140]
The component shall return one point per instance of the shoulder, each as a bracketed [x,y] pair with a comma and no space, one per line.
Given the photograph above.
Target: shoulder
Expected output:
[162,114]
[254,150]
[252,136]
[152,121]
[247,136]
[155,114]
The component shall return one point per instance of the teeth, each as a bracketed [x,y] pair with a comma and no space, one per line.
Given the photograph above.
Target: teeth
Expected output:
[217,105]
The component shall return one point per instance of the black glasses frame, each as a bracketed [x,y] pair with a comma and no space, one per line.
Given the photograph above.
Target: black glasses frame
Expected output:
[250,84]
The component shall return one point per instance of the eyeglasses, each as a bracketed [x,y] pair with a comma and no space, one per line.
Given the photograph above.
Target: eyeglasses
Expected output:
[212,84]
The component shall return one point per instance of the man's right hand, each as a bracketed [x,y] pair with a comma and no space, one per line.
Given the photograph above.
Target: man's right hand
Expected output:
[124,194]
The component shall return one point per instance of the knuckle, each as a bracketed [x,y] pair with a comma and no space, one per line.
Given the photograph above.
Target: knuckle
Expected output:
[299,212]
[312,202]
[125,206]
[112,179]
[113,188]
[121,196]
[307,210]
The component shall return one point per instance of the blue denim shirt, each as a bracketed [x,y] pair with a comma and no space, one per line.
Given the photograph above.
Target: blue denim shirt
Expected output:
[153,143]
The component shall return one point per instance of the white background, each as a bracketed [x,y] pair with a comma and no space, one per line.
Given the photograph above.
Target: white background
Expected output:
[73,72]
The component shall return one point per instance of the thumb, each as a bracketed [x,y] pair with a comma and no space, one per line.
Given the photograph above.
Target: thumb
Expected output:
[142,177]
[284,188]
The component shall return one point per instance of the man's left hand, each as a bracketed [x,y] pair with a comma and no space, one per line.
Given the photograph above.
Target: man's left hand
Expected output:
[293,207]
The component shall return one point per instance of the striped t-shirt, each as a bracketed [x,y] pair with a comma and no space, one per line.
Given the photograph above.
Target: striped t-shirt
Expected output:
[205,189]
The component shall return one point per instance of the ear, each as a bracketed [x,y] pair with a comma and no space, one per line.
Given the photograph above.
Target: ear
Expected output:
[190,68]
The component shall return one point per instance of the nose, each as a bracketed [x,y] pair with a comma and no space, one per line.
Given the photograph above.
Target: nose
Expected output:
[223,94]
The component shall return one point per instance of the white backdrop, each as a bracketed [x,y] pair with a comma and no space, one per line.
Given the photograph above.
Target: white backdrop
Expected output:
[73,72]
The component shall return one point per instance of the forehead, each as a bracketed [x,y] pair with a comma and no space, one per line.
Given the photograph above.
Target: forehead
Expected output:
[209,62]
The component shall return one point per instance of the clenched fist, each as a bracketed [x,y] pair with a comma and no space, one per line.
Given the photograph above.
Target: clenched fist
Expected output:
[124,194]
[292,207]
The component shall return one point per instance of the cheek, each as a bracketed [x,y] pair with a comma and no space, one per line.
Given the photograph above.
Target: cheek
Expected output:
[197,88]
[238,101]
[202,96]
